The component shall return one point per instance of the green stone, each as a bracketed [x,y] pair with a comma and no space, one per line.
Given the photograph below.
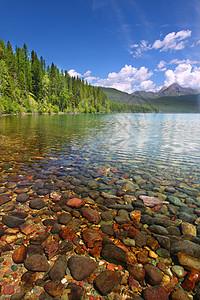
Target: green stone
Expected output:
[164,253]
[129,242]
[175,200]
[14,267]
[178,271]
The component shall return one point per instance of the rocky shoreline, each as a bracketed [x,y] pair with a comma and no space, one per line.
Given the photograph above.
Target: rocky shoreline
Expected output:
[98,234]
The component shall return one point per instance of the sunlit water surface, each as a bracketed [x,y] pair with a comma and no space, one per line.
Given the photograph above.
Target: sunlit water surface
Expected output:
[155,143]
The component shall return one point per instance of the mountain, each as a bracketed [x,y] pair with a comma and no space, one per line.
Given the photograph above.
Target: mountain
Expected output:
[177,104]
[115,95]
[172,90]
[165,104]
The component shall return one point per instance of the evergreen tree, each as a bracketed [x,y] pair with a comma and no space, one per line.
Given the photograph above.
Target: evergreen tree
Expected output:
[27,84]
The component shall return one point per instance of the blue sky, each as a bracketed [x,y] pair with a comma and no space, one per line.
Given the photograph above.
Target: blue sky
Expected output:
[126,44]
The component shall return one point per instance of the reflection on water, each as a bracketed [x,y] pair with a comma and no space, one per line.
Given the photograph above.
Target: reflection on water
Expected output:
[153,142]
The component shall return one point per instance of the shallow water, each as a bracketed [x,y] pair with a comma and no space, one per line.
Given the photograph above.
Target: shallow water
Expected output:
[165,145]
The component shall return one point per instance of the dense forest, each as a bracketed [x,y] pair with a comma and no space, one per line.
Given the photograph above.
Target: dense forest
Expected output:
[27,84]
[117,107]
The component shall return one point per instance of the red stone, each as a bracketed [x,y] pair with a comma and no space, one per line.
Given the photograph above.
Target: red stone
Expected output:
[27,228]
[19,255]
[133,282]
[95,252]
[4,199]
[75,202]
[67,233]
[142,257]
[51,249]
[132,232]
[150,201]
[92,238]
[156,208]
[54,288]
[191,279]
[111,267]
[155,293]
[9,290]
[91,215]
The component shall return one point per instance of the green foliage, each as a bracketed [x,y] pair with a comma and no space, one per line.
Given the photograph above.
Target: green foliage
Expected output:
[177,104]
[28,85]
[131,108]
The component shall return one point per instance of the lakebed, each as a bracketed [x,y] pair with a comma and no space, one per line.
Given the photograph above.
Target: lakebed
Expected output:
[100,206]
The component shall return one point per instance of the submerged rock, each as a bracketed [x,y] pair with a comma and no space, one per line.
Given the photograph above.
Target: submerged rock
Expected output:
[153,274]
[81,267]
[36,263]
[54,288]
[106,281]
[185,247]
[91,215]
[12,221]
[114,254]
[57,272]
[37,203]
[180,295]
[19,255]
[189,262]
[155,293]
[191,280]
[76,292]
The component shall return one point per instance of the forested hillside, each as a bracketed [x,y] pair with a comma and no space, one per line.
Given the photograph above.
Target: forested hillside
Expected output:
[27,84]
[123,102]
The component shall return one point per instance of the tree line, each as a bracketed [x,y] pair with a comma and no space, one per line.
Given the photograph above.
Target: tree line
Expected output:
[119,107]
[28,85]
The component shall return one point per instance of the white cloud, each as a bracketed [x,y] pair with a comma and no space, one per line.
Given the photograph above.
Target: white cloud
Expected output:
[198,43]
[125,79]
[147,85]
[134,46]
[182,61]
[73,73]
[169,78]
[128,79]
[161,66]
[172,41]
[185,75]
[89,79]
[87,73]
[140,48]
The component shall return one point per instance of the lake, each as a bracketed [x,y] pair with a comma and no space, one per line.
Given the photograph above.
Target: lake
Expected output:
[123,189]
[166,145]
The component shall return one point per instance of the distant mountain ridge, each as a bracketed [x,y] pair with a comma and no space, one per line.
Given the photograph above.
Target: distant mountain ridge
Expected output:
[187,103]
[173,90]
